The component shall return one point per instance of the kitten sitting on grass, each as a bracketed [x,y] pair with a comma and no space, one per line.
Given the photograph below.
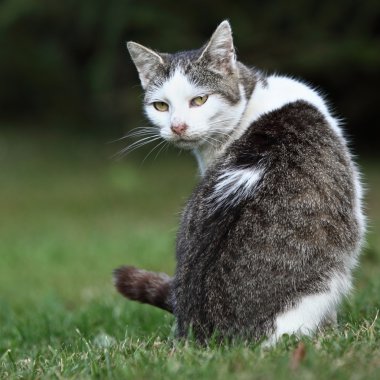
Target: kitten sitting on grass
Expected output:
[270,236]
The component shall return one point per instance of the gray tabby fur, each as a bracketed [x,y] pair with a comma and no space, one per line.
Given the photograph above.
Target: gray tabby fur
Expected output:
[242,264]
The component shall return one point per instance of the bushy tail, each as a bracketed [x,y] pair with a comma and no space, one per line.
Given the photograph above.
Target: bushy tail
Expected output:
[143,286]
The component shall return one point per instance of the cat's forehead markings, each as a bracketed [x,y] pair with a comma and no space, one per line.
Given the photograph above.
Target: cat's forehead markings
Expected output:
[177,86]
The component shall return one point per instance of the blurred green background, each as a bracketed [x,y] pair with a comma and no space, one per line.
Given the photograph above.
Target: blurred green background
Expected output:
[70,212]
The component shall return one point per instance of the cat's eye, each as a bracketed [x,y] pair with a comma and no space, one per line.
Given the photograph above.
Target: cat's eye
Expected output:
[161,106]
[198,101]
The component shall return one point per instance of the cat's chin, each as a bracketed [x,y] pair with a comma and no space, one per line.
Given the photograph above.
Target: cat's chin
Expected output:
[187,144]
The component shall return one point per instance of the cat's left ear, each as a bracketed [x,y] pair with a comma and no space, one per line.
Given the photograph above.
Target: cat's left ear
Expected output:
[146,61]
[219,53]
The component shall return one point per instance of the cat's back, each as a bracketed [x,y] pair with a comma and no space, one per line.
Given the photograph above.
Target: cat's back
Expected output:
[292,164]
[307,181]
[276,219]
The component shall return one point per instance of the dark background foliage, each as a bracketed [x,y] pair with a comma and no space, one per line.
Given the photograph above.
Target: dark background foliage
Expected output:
[64,64]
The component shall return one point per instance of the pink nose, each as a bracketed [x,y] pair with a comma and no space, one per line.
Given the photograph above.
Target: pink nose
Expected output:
[179,129]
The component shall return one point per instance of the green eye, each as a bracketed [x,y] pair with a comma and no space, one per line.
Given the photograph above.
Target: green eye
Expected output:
[199,100]
[161,106]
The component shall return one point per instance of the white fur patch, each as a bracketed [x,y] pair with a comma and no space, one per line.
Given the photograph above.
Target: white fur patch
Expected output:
[312,311]
[358,207]
[235,185]
[207,124]
[280,91]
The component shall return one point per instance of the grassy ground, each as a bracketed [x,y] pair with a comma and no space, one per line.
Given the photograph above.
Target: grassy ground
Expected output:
[70,214]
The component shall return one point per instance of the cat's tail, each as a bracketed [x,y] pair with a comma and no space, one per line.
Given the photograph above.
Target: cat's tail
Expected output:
[143,286]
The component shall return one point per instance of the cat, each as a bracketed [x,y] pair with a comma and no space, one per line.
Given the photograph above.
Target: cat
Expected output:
[270,235]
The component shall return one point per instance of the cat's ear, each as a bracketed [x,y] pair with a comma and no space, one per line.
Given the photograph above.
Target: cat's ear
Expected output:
[146,61]
[219,53]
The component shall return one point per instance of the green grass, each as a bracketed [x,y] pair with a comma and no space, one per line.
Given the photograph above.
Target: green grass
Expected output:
[70,214]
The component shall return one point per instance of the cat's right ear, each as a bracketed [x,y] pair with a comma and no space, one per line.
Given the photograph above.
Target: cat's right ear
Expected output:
[219,53]
[146,61]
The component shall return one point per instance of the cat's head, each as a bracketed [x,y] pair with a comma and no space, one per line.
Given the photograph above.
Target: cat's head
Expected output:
[193,97]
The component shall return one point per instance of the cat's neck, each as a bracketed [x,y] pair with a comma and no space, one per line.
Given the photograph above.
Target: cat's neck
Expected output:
[208,153]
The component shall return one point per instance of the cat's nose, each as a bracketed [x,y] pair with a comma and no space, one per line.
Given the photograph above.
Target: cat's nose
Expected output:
[179,129]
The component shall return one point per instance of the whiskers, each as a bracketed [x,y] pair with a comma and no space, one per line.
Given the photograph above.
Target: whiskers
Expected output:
[215,143]
[217,133]
[218,128]
[146,136]
[163,144]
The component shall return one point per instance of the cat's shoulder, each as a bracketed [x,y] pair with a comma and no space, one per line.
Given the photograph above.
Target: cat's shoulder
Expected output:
[283,115]
[276,92]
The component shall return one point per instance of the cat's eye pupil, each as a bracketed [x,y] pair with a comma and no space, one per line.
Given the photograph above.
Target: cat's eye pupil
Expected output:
[161,106]
[198,101]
